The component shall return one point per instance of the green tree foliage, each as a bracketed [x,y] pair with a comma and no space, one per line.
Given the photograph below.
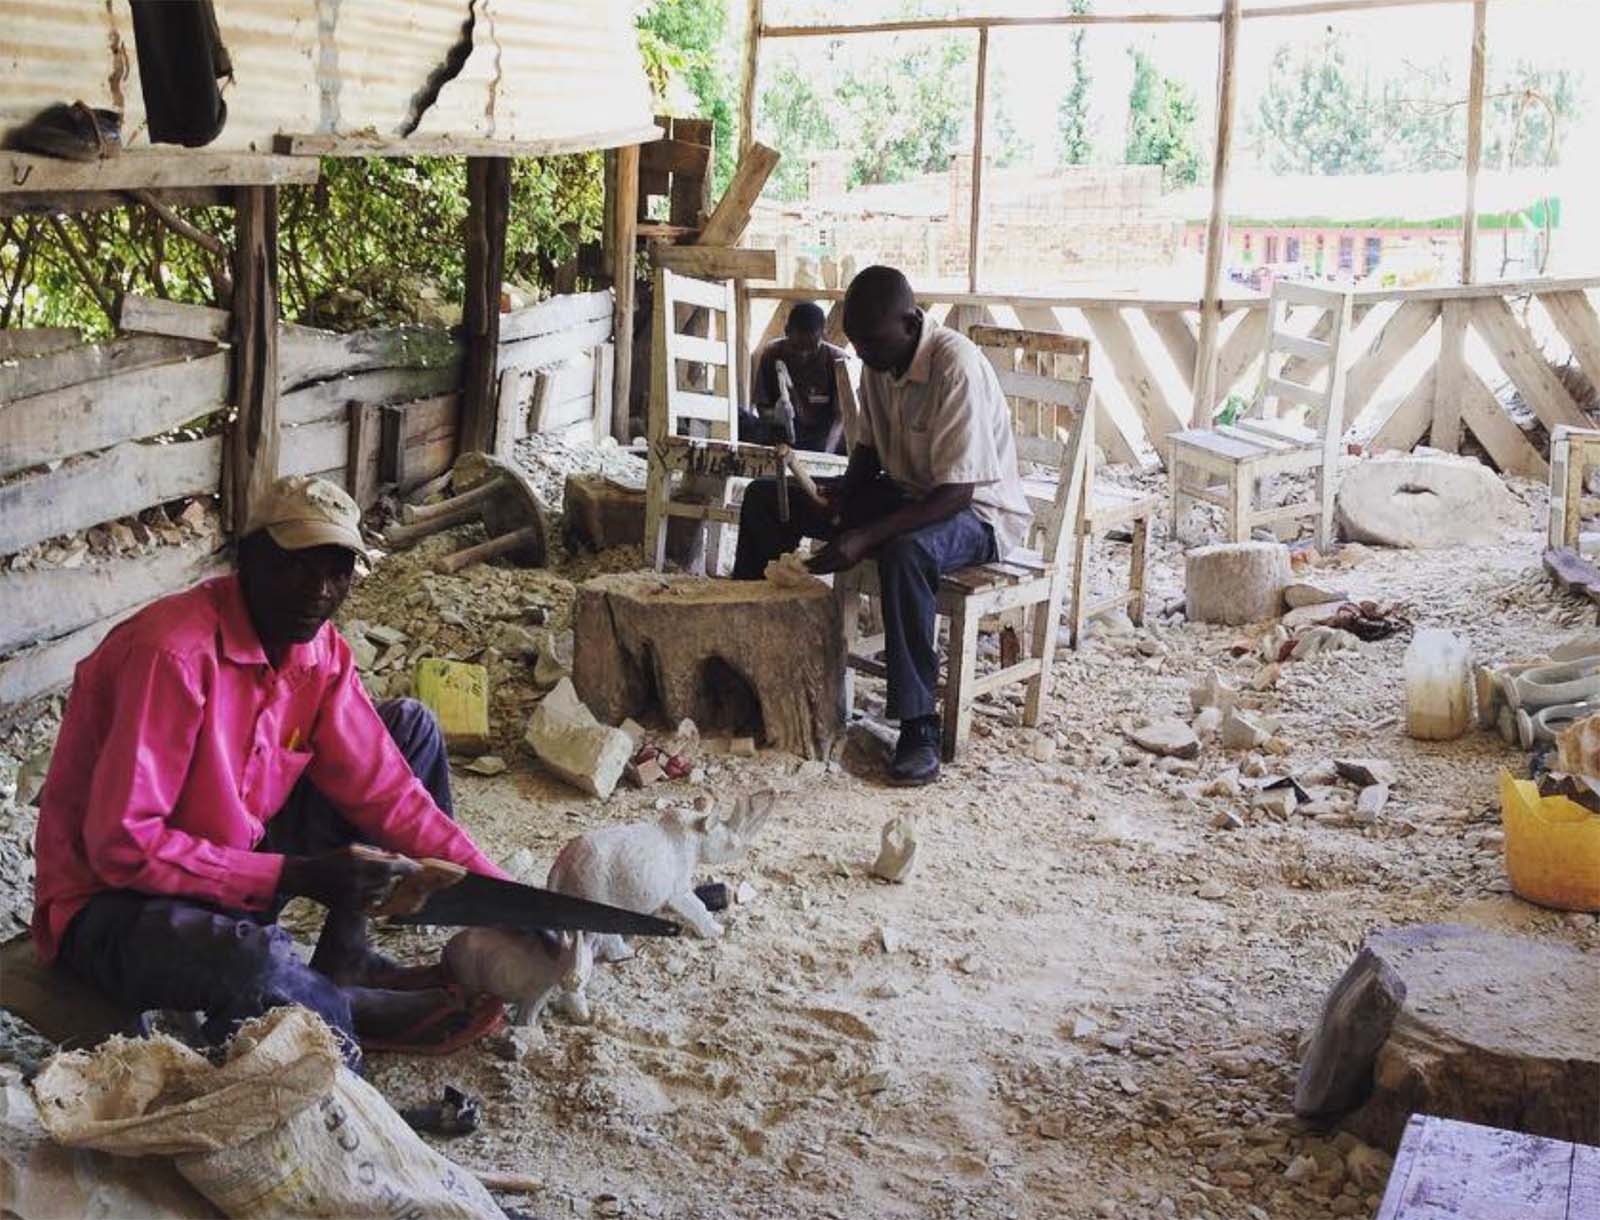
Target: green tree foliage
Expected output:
[690,39]
[794,111]
[370,242]
[1317,116]
[1072,112]
[1163,124]
[1321,115]
[907,112]
[893,116]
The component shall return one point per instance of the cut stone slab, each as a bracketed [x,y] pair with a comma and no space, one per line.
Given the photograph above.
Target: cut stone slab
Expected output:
[1168,738]
[1369,805]
[1424,502]
[739,658]
[1463,1023]
[1300,594]
[897,850]
[1236,582]
[577,747]
[1365,772]
[1213,692]
[1241,731]
[1357,1017]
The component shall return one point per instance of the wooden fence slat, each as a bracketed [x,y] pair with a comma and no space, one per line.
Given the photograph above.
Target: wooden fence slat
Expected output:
[377,387]
[1402,332]
[154,316]
[97,414]
[92,361]
[122,480]
[1175,333]
[1575,317]
[1408,422]
[1451,383]
[1522,361]
[314,448]
[32,341]
[39,670]
[556,314]
[1501,439]
[551,349]
[305,354]
[52,602]
[1149,400]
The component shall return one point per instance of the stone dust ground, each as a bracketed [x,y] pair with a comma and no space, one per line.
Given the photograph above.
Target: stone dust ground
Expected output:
[1061,1025]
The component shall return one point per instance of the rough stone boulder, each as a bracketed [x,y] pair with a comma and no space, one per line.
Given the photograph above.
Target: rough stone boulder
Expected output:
[1455,1021]
[1236,582]
[1424,502]
[573,744]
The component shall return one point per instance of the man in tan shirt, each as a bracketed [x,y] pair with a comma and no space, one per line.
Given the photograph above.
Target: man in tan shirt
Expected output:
[932,486]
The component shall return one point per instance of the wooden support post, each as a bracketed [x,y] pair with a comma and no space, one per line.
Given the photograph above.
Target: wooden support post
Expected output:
[623,240]
[747,89]
[488,206]
[1451,385]
[252,451]
[1205,373]
[975,221]
[1475,81]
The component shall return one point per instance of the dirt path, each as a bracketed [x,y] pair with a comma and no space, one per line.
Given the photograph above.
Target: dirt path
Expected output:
[1060,1024]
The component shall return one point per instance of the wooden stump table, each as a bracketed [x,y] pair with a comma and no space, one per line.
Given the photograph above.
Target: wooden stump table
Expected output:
[747,658]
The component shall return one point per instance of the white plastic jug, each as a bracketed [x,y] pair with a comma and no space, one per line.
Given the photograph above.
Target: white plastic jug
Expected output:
[1438,686]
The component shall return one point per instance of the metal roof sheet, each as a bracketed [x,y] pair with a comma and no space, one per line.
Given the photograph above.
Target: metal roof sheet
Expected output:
[537,71]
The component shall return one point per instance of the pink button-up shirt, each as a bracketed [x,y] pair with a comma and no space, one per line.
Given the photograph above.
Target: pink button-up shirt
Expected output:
[181,740]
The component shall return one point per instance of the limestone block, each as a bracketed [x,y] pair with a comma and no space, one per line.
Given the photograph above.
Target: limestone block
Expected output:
[573,744]
[1424,502]
[1460,1022]
[1236,582]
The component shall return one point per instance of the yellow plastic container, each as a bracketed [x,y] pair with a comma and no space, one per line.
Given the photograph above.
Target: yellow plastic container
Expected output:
[1552,847]
[458,695]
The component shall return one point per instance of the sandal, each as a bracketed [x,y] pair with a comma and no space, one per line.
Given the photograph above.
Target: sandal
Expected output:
[458,1023]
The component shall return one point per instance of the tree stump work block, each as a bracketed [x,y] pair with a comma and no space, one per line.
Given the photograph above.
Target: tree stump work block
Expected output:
[741,657]
[1491,1029]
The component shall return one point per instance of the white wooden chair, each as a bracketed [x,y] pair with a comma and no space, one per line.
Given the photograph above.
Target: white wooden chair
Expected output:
[1030,579]
[1572,452]
[1026,361]
[1225,465]
[694,458]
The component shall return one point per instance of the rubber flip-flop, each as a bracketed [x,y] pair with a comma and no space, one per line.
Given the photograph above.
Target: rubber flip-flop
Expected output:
[453,1025]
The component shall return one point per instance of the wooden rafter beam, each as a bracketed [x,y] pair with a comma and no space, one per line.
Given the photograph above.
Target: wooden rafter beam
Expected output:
[308,145]
[24,173]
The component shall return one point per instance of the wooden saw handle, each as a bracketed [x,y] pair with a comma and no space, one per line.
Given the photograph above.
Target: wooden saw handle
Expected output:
[411,893]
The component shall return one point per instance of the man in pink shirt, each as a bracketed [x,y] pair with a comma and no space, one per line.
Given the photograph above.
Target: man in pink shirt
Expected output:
[218,757]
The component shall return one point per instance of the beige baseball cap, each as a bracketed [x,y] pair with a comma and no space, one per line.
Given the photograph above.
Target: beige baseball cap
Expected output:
[303,511]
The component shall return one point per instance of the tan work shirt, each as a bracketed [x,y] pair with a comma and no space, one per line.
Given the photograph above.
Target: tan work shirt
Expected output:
[946,421]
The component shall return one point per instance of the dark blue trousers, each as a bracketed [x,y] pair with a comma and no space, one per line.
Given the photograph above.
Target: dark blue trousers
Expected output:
[909,568]
[148,952]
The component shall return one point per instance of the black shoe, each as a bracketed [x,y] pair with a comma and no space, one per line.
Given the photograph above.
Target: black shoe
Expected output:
[916,754]
[75,132]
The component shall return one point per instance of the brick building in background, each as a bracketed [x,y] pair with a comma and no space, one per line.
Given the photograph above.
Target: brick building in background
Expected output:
[1078,226]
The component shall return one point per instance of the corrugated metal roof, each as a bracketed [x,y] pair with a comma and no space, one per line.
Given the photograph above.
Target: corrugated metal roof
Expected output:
[537,70]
